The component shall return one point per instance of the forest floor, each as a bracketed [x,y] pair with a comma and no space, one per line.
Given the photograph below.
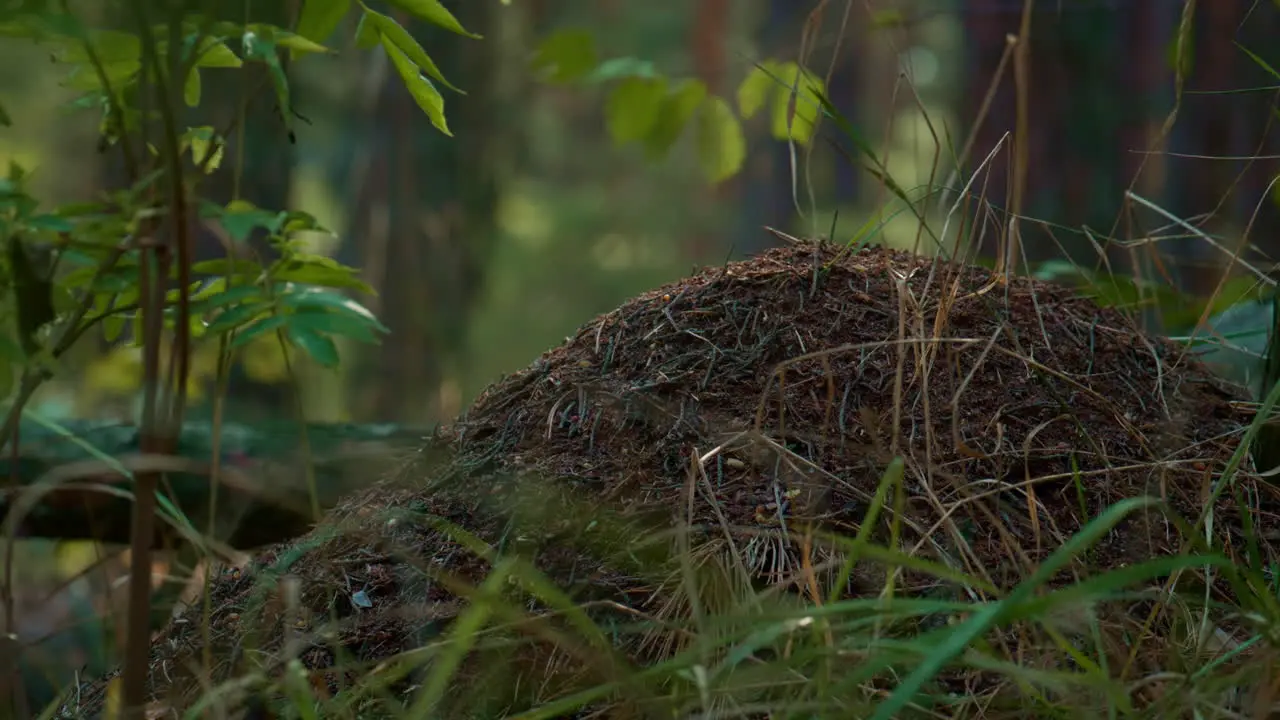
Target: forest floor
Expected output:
[795,482]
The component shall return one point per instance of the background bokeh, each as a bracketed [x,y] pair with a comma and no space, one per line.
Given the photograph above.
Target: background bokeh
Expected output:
[489,247]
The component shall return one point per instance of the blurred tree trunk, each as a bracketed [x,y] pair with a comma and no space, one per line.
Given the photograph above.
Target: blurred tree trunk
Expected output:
[423,224]
[707,38]
[764,187]
[1213,182]
[1077,115]
[1092,127]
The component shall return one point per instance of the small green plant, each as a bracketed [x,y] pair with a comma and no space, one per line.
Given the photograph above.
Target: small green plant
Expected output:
[122,265]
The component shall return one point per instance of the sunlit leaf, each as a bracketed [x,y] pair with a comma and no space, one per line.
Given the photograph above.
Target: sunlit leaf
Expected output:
[298,45]
[677,109]
[423,92]
[241,217]
[215,54]
[756,89]
[799,125]
[722,147]
[398,37]
[191,88]
[318,298]
[202,141]
[566,55]
[632,108]
[435,13]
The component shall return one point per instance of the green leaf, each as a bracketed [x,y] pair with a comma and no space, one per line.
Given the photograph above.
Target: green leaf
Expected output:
[435,13]
[722,147]
[330,323]
[227,266]
[202,141]
[423,92]
[248,295]
[367,35]
[677,108]
[317,270]
[622,67]
[262,48]
[321,17]
[191,88]
[1237,290]
[632,108]
[391,31]
[319,347]
[807,105]
[238,316]
[241,217]
[312,298]
[113,327]
[757,87]
[86,79]
[566,56]
[298,45]
[214,53]
[296,220]
[51,223]
[109,46]
[258,328]
[5,119]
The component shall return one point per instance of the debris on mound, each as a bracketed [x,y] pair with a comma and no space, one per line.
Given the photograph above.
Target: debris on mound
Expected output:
[736,411]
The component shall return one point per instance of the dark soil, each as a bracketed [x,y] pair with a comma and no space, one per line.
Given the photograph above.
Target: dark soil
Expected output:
[752,405]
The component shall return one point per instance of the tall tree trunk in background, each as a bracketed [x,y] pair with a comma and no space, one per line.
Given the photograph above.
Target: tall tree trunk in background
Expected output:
[1090,132]
[424,223]
[764,187]
[1078,113]
[1259,34]
[707,38]
[1222,128]
[1147,81]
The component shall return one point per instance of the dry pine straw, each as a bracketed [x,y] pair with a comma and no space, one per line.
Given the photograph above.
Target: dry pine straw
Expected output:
[759,400]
